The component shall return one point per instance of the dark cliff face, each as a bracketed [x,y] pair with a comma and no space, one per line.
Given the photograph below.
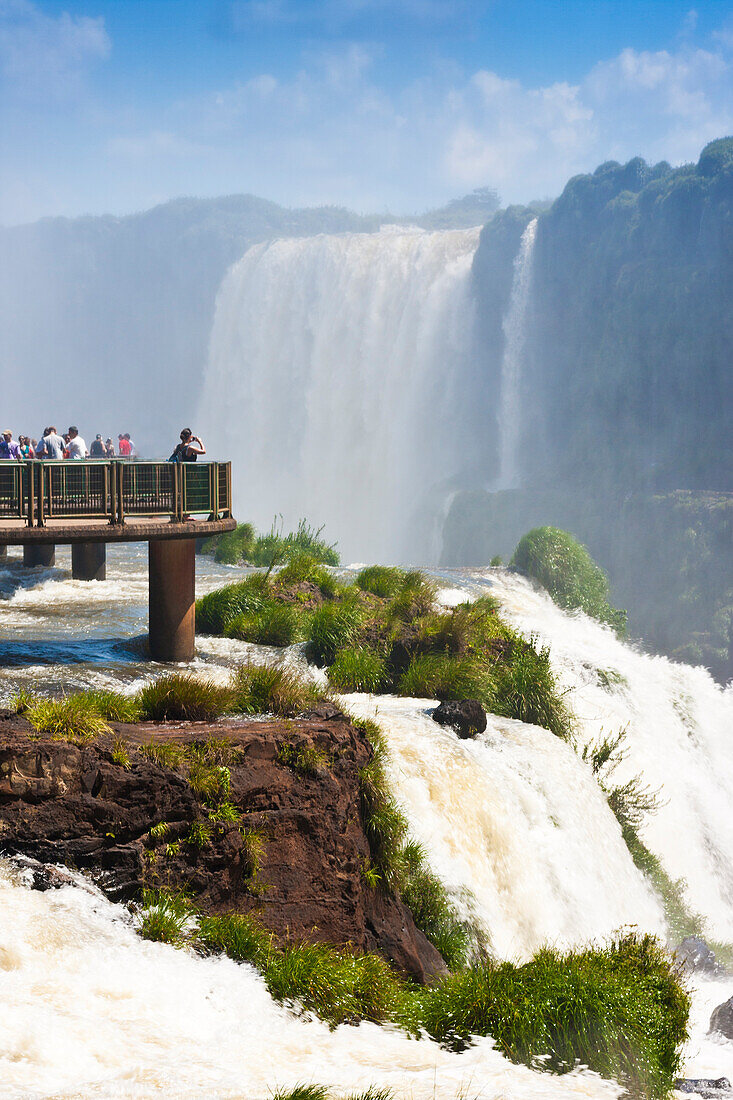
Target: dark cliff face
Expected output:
[627,379]
[74,805]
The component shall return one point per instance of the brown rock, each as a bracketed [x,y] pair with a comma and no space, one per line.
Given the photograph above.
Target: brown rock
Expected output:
[68,804]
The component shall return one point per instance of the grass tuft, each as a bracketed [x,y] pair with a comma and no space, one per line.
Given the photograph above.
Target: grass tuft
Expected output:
[619,1009]
[358,670]
[526,689]
[182,697]
[272,689]
[439,676]
[120,755]
[272,624]
[217,609]
[381,580]
[166,918]
[332,627]
[305,759]
[73,718]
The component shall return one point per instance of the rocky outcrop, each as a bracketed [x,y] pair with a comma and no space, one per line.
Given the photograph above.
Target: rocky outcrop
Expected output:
[79,806]
[466,716]
[722,1019]
[708,1087]
[697,957]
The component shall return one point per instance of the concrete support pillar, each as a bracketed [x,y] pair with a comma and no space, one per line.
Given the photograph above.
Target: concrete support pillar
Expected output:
[88,561]
[3,552]
[171,599]
[39,553]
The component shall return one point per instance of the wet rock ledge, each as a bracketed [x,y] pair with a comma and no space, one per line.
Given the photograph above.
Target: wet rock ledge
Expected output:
[99,808]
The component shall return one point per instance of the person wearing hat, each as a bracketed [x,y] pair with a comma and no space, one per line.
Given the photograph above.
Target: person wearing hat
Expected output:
[9,448]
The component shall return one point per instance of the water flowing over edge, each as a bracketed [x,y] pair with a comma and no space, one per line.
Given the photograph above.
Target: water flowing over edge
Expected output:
[338,381]
[514,326]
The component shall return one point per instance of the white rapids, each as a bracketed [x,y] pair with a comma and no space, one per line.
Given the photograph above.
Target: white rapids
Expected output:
[513,822]
[89,1010]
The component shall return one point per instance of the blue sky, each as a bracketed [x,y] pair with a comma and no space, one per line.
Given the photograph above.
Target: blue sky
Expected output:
[116,105]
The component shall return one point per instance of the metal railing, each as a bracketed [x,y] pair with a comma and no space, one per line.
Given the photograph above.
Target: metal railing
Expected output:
[39,491]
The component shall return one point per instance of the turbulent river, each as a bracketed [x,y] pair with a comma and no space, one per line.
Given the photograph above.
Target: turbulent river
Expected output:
[513,822]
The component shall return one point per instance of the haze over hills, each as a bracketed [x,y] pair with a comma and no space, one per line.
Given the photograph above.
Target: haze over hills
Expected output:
[130,301]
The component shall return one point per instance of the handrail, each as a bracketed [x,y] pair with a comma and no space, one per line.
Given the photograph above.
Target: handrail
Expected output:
[115,490]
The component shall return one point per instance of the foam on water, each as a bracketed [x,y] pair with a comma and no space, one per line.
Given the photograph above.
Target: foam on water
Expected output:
[679,725]
[90,1010]
[516,827]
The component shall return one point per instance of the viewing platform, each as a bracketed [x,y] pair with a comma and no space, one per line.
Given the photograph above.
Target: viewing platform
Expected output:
[90,503]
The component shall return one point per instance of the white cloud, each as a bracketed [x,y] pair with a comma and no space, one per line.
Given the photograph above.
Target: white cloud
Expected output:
[332,132]
[43,56]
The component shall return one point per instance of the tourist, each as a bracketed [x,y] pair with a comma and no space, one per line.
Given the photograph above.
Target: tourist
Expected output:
[186,451]
[76,447]
[26,450]
[133,448]
[52,443]
[97,449]
[9,448]
[124,449]
[109,448]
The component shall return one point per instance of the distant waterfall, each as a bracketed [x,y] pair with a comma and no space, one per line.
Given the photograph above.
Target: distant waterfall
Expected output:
[337,381]
[515,334]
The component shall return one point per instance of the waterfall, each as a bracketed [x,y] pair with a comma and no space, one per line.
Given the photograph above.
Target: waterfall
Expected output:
[515,826]
[336,381]
[515,335]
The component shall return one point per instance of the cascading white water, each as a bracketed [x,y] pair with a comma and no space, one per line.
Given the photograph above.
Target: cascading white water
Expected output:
[515,337]
[679,724]
[516,827]
[336,380]
[513,822]
[91,1011]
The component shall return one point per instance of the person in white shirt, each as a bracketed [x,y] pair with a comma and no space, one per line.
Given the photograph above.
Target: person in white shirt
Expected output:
[53,444]
[77,448]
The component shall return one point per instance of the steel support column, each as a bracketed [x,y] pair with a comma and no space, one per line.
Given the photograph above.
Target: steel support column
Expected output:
[171,599]
[40,553]
[88,561]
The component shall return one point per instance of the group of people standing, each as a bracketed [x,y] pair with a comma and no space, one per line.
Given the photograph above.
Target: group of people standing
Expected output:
[53,446]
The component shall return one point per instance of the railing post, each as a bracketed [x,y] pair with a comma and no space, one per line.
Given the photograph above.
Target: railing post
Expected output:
[120,497]
[110,489]
[40,502]
[31,491]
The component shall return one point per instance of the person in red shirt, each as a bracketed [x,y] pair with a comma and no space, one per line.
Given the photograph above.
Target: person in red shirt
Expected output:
[124,448]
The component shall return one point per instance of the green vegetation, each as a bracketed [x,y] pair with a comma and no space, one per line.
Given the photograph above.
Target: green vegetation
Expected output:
[399,864]
[526,689]
[74,718]
[166,918]
[271,624]
[216,610]
[425,896]
[182,697]
[272,689]
[304,568]
[304,759]
[358,670]
[565,568]
[620,1009]
[387,632]
[332,627]
[380,580]
[244,545]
